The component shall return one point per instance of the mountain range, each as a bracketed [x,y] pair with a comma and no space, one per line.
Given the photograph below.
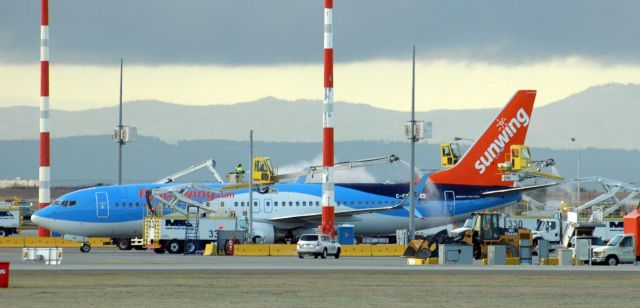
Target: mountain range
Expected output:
[601,117]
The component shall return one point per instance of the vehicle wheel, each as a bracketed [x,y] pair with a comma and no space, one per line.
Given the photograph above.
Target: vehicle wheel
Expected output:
[611,260]
[324,254]
[3,232]
[85,248]
[315,256]
[174,247]
[512,252]
[338,254]
[190,248]
[159,250]
[124,244]
[301,256]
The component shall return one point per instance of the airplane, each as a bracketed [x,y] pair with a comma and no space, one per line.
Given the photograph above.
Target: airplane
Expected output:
[287,210]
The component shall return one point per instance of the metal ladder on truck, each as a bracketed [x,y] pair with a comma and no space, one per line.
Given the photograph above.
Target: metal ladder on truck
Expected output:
[191,238]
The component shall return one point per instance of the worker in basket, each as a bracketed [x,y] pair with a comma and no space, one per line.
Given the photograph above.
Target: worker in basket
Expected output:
[239,169]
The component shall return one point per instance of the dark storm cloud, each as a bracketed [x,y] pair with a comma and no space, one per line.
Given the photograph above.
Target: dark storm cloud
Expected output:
[265,32]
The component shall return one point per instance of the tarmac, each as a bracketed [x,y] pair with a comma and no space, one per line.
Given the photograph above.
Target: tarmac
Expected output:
[115,260]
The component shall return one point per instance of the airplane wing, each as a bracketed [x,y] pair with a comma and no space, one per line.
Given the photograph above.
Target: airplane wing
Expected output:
[316,216]
[500,192]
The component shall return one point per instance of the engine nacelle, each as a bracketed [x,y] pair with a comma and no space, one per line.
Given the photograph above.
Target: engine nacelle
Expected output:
[266,232]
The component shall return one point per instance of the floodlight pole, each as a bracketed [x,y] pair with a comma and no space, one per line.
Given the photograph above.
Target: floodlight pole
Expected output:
[412,206]
[120,140]
[250,212]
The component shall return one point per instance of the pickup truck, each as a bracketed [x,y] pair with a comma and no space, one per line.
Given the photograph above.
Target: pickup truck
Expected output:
[623,248]
[620,249]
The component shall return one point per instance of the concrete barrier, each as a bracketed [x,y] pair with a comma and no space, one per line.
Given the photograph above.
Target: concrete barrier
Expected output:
[67,244]
[39,242]
[415,261]
[251,250]
[101,242]
[209,249]
[19,242]
[363,250]
[391,250]
[549,261]
[282,250]
[11,242]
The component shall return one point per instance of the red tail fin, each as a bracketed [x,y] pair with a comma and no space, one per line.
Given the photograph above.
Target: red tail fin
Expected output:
[479,166]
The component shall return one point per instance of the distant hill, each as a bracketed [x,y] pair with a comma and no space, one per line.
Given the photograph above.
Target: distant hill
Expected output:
[603,117]
[93,159]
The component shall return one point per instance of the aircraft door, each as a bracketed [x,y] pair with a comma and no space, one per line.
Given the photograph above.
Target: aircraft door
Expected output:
[102,205]
[256,208]
[268,205]
[450,202]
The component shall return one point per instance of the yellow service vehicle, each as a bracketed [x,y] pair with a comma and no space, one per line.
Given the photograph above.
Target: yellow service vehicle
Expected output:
[485,232]
[449,154]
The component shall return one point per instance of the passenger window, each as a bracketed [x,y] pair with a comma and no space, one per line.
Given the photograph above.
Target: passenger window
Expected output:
[116,204]
[297,203]
[242,204]
[275,203]
[130,204]
[235,204]
[268,203]
[290,203]
[317,203]
[137,204]
[304,203]
[255,203]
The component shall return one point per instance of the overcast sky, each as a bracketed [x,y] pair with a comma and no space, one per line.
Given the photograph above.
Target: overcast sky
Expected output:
[232,51]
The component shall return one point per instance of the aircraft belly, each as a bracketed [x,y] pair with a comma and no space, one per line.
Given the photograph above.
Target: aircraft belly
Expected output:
[101,229]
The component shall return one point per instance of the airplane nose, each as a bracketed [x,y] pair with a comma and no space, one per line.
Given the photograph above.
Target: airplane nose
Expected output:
[36,219]
[40,218]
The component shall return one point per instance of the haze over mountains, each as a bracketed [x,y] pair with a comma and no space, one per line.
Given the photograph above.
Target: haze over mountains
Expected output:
[605,117]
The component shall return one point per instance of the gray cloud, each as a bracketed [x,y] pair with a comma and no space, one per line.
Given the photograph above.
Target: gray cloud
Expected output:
[265,32]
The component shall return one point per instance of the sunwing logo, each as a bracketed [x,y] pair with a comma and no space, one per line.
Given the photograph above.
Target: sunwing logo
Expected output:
[507,129]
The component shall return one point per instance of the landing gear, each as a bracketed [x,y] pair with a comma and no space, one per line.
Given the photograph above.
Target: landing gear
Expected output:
[85,248]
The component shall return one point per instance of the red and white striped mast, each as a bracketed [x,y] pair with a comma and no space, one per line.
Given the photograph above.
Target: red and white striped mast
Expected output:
[328,194]
[44,190]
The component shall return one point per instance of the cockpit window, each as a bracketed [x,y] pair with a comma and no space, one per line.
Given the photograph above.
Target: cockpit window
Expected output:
[65,203]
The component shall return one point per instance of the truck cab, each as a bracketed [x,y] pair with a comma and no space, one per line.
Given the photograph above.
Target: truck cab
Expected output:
[620,249]
[548,229]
